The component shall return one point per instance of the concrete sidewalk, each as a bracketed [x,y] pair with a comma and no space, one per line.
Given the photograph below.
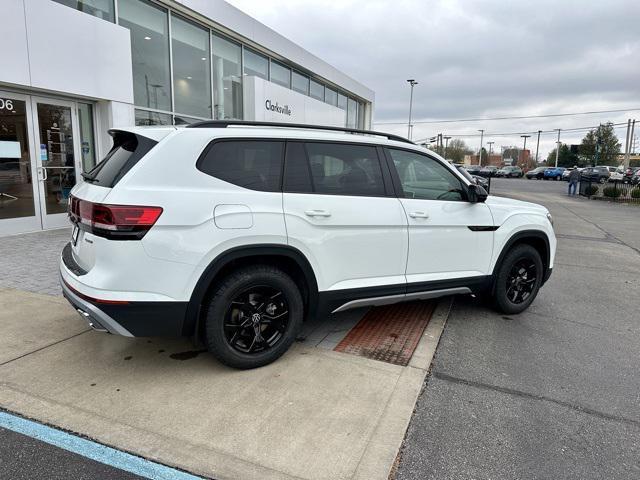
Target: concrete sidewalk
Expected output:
[314,414]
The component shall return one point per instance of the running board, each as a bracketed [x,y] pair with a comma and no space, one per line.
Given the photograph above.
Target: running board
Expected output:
[390,299]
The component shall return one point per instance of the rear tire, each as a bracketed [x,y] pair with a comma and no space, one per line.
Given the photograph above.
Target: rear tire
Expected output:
[518,279]
[253,317]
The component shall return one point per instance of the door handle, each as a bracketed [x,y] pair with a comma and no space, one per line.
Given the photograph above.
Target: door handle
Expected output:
[42,174]
[419,215]
[317,213]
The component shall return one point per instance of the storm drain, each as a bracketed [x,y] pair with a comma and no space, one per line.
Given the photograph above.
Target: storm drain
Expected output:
[390,333]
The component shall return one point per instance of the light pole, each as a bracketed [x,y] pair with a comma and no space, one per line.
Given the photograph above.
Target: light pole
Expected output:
[490,149]
[538,146]
[524,147]
[480,152]
[446,145]
[557,147]
[412,82]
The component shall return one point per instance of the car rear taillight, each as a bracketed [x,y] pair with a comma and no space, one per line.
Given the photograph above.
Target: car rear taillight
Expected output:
[116,222]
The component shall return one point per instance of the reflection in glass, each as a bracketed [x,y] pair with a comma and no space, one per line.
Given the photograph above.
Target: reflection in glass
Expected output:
[184,120]
[56,155]
[16,190]
[191,68]
[256,64]
[361,115]
[227,80]
[149,28]
[330,96]
[280,74]
[299,82]
[87,143]
[316,90]
[98,8]
[352,113]
[146,118]
[342,101]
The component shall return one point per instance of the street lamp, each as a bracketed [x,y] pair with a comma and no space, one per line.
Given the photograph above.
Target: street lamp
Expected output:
[558,147]
[480,152]
[524,147]
[446,145]
[412,82]
[490,149]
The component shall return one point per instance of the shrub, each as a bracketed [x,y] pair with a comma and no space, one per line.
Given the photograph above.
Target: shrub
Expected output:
[591,190]
[612,192]
[635,193]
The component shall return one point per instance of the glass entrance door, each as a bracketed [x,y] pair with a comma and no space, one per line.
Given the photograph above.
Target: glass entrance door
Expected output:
[57,157]
[19,207]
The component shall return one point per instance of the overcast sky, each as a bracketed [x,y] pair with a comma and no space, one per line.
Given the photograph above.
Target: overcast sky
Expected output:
[476,59]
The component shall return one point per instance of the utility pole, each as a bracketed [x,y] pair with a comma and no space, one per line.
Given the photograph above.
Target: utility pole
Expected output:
[538,146]
[631,142]
[446,145]
[524,147]
[490,149]
[557,147]
[412,82]
[626,145]
[480,152]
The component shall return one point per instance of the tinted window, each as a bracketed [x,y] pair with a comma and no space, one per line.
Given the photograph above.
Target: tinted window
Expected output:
[342,169]
[425,178]
[127,150]
[297,176]
[253,164]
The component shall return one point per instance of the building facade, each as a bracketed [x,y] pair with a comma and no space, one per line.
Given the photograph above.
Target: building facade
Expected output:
[72,69]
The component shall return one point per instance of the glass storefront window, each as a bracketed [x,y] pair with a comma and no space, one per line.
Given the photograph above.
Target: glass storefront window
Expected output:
[87,142]
[146,118]
[280,74]
[299,82]
[98,8]
[330,96]
[316,90]
[16,191]
[184,120]
[342,101]
[352,113]
[191,68]
[149,27]
[361,115]
[256,64]
[227,79]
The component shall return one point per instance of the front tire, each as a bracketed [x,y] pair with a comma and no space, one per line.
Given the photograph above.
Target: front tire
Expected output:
[518,279]
[253,317]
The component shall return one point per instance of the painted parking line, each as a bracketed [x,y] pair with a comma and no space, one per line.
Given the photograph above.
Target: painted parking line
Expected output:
[94,451]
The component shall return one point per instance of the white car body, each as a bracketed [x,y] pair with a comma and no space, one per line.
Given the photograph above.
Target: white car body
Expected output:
[360,250]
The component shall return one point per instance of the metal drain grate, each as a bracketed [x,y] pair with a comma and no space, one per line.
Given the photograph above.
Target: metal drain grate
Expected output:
[390,333]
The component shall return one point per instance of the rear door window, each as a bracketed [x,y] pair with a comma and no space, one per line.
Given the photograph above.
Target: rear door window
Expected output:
[127,150]
[252,164]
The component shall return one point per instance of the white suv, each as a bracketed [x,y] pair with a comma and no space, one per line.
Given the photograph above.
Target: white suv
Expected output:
[235,232]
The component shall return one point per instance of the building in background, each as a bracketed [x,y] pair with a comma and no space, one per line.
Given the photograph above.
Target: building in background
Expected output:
[72,69]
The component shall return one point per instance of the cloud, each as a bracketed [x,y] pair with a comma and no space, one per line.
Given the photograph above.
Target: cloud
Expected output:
[479,58]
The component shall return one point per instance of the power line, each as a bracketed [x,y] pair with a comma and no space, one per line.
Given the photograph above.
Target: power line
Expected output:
[519,117]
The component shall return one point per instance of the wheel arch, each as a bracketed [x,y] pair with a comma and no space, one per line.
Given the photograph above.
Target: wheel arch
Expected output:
[285,257]
[536,238]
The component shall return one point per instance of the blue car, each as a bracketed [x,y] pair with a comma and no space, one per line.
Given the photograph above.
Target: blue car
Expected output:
[553,173]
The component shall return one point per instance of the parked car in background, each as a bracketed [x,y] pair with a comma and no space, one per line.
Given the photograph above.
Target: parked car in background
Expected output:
[596,174]
[488,171]
[567,172]
[478,180]
[635,178]
[553,173]
[536,173]
[628,174]
[510,172]
[473,169]
[616,174]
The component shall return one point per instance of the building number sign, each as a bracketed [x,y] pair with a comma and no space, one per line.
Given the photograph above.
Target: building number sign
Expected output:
[6,104]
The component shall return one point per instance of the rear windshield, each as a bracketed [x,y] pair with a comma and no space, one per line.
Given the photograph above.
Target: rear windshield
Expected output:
[127,150]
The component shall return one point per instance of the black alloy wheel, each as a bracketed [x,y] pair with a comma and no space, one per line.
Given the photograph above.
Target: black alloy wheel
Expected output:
[518,279]
[256,319]
[521,281]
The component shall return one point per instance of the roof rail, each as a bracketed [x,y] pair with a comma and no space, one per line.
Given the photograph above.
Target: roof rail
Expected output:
[243,123]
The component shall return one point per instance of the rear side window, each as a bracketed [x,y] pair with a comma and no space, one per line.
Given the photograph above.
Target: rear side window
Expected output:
[252,164]
[127,150]
[344,169]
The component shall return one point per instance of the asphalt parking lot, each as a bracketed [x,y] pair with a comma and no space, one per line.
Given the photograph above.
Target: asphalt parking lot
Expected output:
[555,391]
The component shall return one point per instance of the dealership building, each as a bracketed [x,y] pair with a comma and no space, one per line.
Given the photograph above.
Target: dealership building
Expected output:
[72,69]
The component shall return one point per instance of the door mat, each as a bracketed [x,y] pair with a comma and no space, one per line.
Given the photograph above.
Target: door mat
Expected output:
[389,333]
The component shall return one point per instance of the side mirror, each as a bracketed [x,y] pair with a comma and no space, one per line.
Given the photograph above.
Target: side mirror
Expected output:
[476,194]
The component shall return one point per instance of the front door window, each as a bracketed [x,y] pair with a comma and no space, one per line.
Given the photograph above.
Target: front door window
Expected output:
[16,189]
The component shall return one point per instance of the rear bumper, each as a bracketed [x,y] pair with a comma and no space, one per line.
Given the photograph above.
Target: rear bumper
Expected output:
[121,317]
